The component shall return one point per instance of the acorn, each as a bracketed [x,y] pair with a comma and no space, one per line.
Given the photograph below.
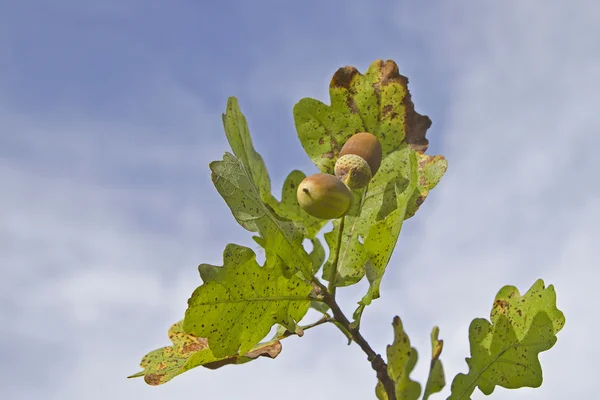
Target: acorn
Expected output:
[359,160]
[324,196]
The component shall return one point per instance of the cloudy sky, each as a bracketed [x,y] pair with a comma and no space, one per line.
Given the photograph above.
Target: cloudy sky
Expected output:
[109,116]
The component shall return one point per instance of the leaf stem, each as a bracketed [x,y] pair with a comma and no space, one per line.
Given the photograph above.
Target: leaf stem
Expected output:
[375,359]
[334,266]
[323,320]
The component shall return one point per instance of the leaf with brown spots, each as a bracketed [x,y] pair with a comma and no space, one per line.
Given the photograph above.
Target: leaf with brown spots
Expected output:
[430,171]
[281,238]
[436,379]
[378,102]
[382,238]
[238,303]
[188,351]
[505,351]
[401,360]
[238,136]
[255,170]
[373,212]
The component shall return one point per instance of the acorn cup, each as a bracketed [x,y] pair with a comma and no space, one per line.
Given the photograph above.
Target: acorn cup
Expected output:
[359,160]
[324,196]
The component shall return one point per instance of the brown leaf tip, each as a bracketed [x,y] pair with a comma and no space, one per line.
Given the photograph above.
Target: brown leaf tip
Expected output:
[416,124]
[154,379]
[343,77]
[390,73]
[416,127]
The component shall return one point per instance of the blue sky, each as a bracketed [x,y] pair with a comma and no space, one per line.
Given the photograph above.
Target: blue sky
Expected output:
[111,111]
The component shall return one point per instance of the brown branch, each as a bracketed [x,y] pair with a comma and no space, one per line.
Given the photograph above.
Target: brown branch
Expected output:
[377,362]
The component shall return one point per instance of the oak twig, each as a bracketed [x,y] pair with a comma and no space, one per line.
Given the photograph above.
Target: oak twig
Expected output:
[377,362]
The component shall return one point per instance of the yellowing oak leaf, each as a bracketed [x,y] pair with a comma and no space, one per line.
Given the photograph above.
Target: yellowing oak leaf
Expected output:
[188,351]
[280,237]
[243,182]
[401,360]
[436,379]
[238,303]
[504,352]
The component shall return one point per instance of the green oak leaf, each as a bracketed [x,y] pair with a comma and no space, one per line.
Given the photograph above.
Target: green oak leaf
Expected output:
[430,171]
[280,238]
[238,303]
[316,255]
[188,351]
[381,241]
[370,207]
[505,352]
[436,379]
[401,360]
[520,309]
[346,251]
[238,136]
[290,209]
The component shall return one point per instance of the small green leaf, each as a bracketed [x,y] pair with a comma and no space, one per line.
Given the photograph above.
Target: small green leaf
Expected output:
[350,263]
[344,331]
[505,351]
[280,238]
[188,351]
[430,169]
[238,303]
[436,380]
[402,359]
[380,201]
[381,240]
[290,209]
[319,306]
[246,188]
[238,136]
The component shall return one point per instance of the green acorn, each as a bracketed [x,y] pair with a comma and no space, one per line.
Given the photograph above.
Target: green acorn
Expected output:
[324,196]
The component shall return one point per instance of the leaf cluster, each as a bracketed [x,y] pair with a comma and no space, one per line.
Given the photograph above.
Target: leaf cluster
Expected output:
[232,312]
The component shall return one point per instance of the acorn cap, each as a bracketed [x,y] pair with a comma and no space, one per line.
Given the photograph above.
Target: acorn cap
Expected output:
[365,145]
[353,170]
